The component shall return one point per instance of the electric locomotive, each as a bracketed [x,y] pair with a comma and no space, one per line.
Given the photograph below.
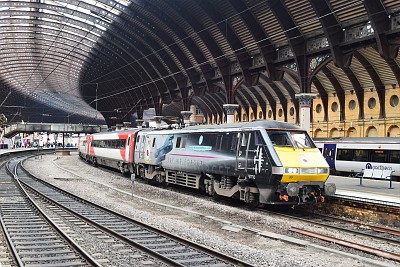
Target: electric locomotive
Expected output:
[265,162]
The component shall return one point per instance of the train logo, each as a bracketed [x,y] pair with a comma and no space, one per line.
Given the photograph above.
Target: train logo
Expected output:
[258,160]
[377,167]
[304,160]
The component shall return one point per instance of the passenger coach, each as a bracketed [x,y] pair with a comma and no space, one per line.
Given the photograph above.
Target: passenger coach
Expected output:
[112,149]
[352,155]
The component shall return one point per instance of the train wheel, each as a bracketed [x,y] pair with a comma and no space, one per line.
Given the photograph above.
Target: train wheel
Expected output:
[215,195]
[160,179]
[254,201]
[141,172]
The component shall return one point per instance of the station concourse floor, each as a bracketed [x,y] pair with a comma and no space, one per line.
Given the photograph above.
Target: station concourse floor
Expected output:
[370,189]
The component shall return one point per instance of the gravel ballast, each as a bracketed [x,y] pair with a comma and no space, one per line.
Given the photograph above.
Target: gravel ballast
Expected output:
[198,219]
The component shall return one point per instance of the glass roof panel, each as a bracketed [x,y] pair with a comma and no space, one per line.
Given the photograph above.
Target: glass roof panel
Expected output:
[45,44]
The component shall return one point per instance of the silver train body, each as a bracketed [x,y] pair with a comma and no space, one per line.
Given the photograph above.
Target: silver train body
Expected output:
[352,155]
[257,162]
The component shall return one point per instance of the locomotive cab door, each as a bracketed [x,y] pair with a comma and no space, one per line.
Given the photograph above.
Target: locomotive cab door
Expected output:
[241,151]
[251,157]
[246,152]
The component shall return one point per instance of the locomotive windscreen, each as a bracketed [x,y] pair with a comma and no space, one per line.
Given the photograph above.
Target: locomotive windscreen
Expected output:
[290,139]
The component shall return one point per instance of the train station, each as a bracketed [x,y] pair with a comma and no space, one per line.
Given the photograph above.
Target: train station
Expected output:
[199,133]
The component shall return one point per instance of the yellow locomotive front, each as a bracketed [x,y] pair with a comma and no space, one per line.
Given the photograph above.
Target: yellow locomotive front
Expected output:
[302,170]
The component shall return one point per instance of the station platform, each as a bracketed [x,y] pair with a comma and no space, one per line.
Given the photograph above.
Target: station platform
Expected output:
[11,150]
[375,190]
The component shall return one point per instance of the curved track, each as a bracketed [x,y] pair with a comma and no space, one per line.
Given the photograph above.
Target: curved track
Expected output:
[34,239]
[170,249]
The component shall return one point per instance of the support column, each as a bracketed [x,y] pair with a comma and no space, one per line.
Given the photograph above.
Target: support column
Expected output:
[158,121]
[305,101]
[186,117]
[230,110]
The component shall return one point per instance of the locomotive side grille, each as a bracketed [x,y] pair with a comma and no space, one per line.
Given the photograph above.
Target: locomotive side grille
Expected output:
[182,178]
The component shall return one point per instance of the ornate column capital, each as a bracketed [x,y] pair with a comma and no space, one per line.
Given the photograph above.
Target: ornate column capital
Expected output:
[230,108]
[305,99]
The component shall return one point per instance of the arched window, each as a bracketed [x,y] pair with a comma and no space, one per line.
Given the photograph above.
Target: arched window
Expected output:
[372,132]
[334,132]
[351,132]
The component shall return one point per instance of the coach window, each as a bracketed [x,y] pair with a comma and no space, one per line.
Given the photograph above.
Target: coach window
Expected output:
[344,154]
[234,142]
[218,143]
[360,155]
[378,156]
[226,141]
[102,144]
[394,156]
[258,139]
[137,141]
[121,143]
[244,139]
[178,142]
[183,142]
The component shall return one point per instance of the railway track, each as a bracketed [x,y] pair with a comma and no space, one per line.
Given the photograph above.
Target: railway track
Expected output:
[371,231]
[163,246]
[378,252]
[33,238]
[390,235]
[313,243]
[385,234]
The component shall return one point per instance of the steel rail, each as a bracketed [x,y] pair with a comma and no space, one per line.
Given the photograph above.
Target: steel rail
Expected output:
[203,249]
[86,256]
[353,245]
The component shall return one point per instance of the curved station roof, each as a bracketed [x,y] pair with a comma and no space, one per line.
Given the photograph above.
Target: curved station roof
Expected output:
[98,61]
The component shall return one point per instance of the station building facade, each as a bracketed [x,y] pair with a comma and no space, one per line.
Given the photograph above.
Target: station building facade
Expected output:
[372,125]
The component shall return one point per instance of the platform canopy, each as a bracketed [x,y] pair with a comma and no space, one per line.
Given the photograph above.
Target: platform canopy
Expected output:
[92,61]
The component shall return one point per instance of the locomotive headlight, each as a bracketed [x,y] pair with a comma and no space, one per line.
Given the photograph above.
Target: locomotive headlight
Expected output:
[323,170]
[292,170]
